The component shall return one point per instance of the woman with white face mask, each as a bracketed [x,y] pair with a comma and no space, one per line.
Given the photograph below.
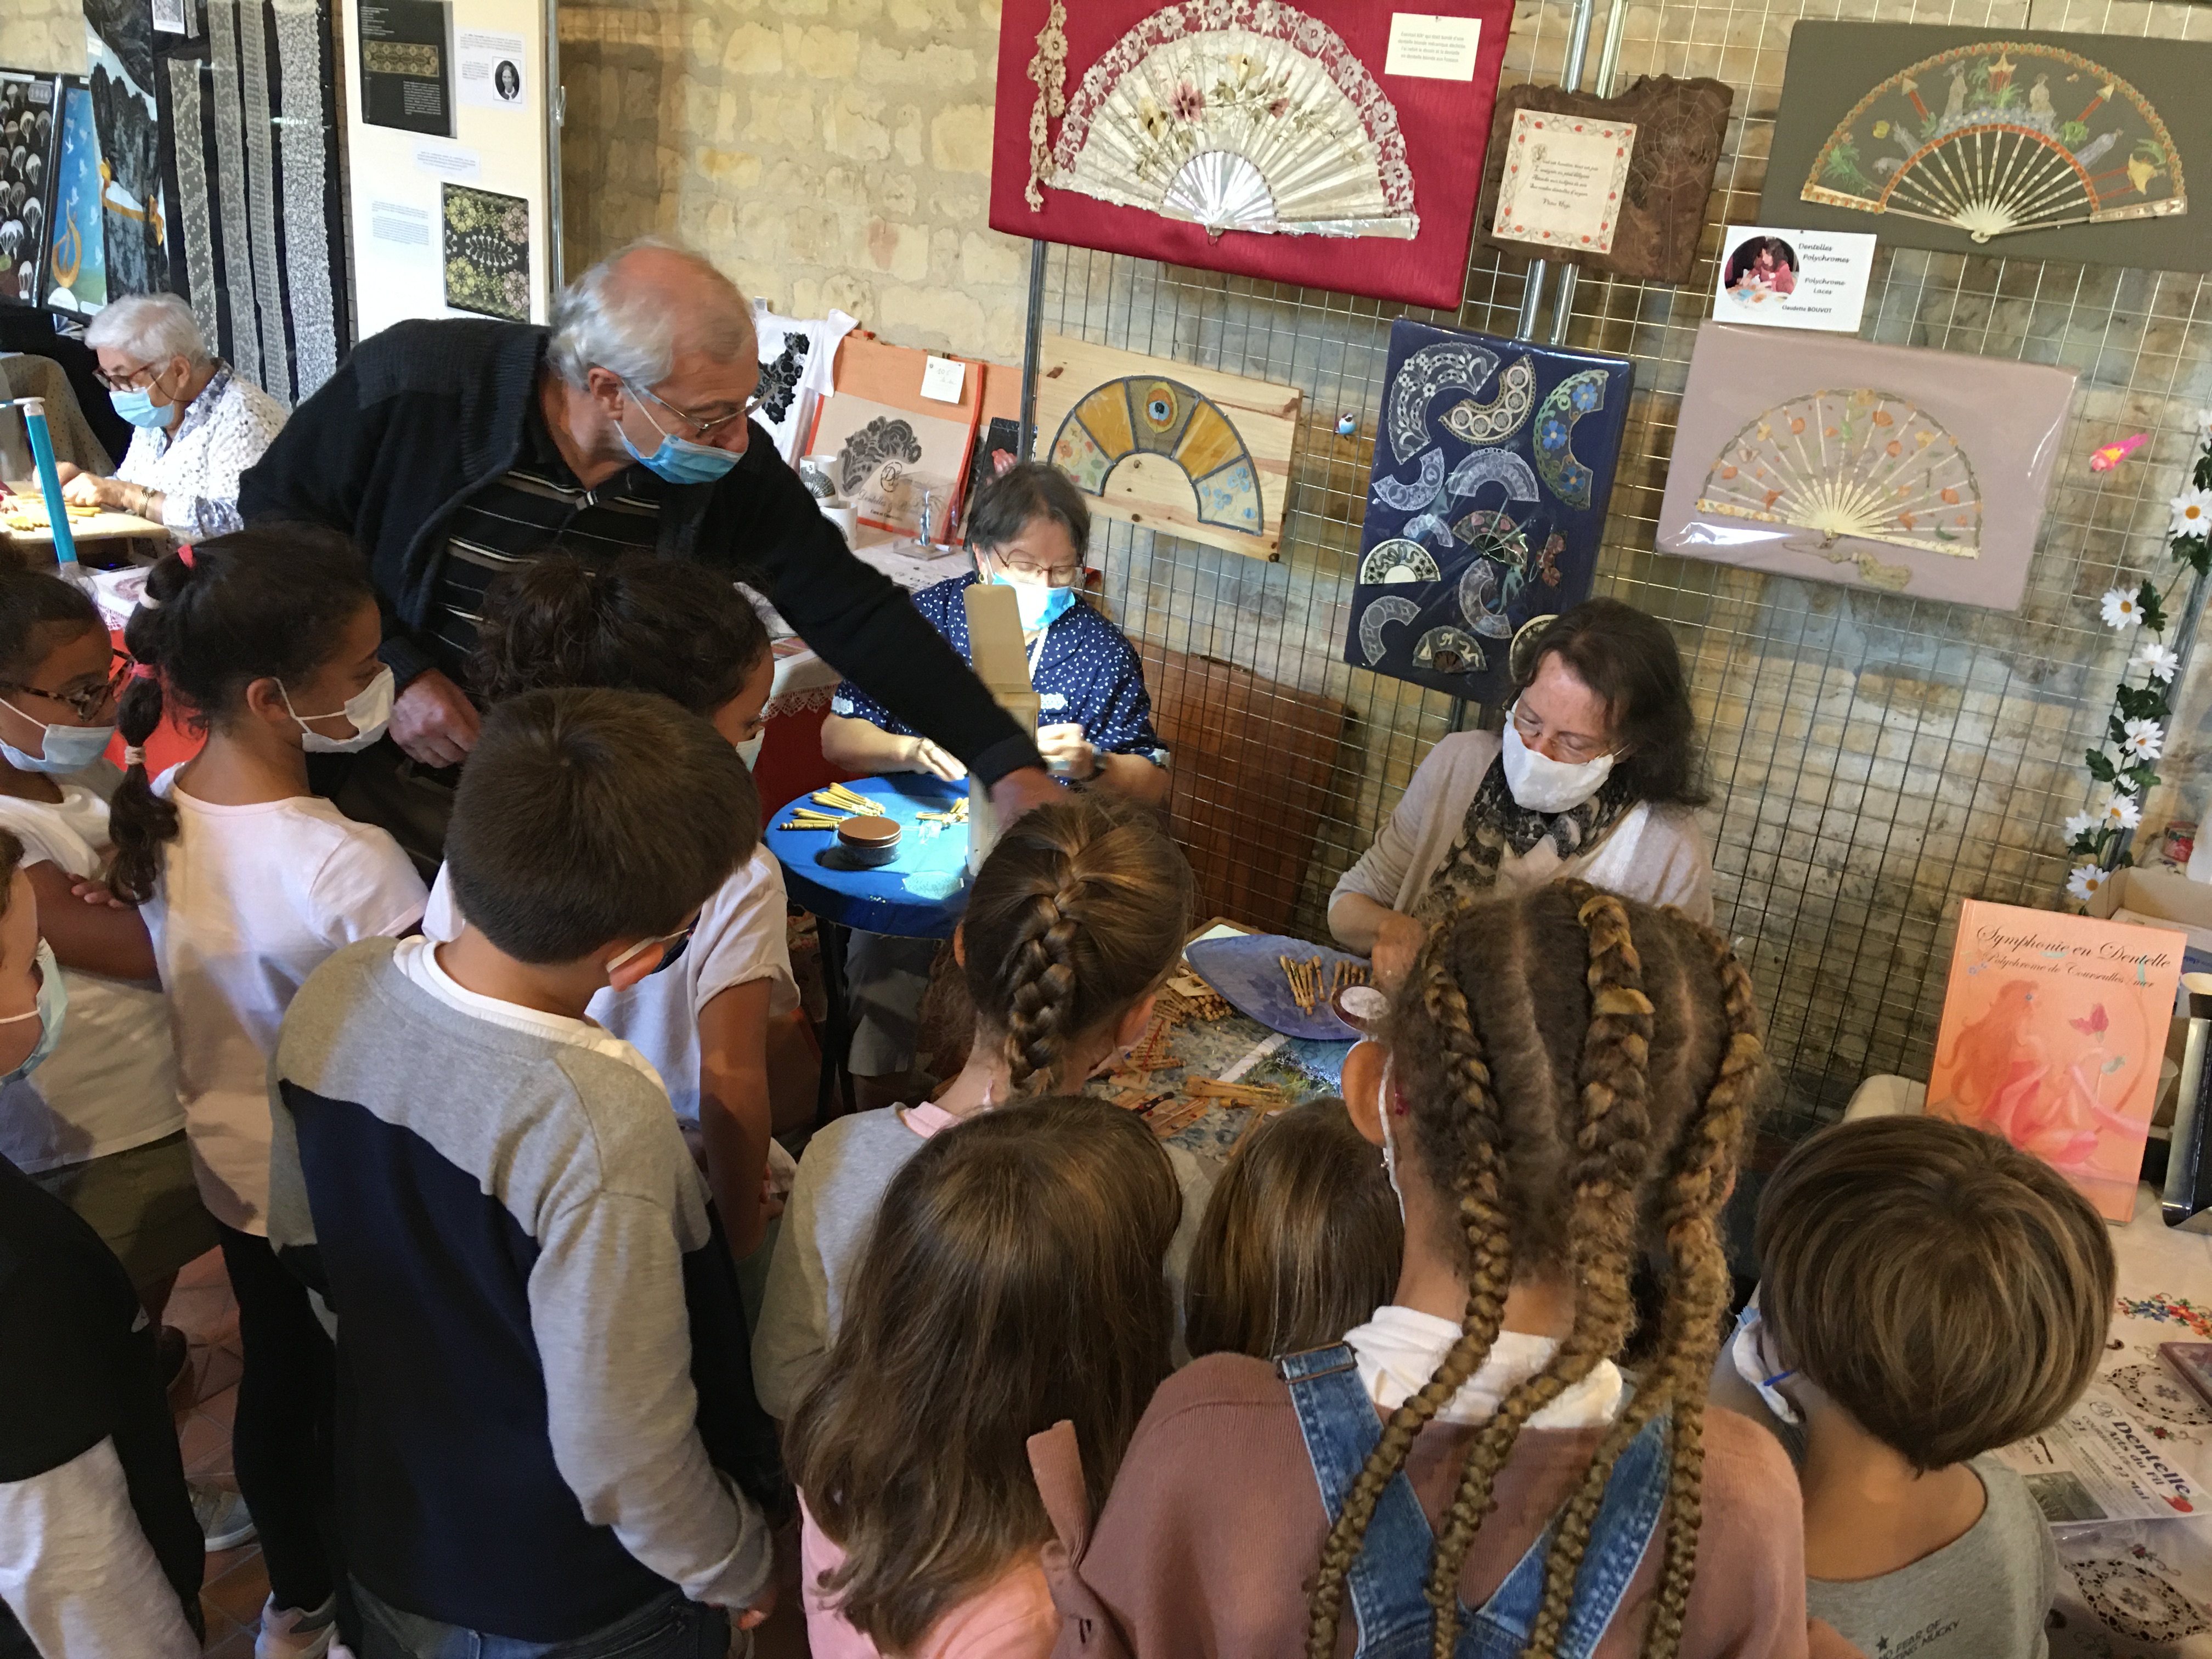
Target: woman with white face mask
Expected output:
[1595,776]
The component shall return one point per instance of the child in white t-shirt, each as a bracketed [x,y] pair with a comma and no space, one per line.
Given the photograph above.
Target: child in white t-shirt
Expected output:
[679,631]
[247,883]
[100,1126]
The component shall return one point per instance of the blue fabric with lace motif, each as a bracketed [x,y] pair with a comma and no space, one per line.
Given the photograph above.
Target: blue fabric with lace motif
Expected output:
[1485,505]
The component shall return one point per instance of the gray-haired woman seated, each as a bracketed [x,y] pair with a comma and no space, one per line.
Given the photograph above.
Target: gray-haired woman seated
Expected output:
[198,426]
[1595,776]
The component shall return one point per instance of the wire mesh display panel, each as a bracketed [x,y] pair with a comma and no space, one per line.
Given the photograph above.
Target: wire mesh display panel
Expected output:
[1874,758]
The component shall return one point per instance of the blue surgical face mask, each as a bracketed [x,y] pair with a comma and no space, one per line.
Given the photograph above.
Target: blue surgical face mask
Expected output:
[63,747]
[53,1007]
[1041,607]
[139,408]
[678,460]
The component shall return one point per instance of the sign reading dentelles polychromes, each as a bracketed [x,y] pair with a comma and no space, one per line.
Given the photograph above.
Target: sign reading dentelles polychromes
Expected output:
[1793,278]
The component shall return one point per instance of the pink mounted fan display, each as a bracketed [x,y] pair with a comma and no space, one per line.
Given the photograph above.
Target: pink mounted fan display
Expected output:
[1249,136]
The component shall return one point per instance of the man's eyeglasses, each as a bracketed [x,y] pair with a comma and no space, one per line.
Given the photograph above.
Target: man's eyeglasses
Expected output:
[700,429]
[85,700]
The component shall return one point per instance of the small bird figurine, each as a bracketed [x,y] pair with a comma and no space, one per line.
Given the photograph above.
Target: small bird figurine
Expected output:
[2108,456]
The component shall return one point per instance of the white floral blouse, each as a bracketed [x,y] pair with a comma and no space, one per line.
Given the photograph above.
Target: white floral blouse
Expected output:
[223,434]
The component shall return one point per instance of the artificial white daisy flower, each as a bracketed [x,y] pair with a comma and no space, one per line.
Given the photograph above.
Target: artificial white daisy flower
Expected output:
[2120,811]
[2159,661]
[2144,740]
[2122,609]
[2082,823]
[2192,513]
[2204,424]
[2085,881]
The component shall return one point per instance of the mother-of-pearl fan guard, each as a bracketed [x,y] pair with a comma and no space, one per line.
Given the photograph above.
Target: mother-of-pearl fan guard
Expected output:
[1239,115]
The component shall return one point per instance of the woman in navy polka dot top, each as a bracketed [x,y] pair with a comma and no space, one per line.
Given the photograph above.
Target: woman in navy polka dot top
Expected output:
[1031,531]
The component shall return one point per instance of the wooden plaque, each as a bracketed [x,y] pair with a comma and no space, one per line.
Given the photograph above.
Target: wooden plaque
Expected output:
[1188,452]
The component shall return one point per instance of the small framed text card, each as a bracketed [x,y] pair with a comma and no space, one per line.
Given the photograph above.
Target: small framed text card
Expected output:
[1564,176]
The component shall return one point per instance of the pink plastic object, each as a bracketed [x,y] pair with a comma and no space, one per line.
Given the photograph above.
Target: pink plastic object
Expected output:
[2111,455]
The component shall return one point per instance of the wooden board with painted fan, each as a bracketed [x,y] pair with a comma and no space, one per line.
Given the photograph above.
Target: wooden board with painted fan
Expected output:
[1255,137]
[1185,450]
[2031,145]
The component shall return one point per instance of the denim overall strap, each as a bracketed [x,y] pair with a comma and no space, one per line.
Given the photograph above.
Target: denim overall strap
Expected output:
[1621,1532]
[1341,1432]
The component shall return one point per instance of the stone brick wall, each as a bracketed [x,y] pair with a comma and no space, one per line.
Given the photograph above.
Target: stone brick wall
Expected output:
[824,152]
[43,35]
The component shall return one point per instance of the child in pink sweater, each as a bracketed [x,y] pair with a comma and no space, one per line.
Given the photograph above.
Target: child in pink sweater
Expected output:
[1015,1279]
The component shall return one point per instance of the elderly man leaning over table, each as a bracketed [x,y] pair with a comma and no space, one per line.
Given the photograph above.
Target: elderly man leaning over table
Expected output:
[197,425]
[452,450]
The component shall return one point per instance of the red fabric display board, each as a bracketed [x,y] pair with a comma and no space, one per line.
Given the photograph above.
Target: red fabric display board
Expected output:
[1244,113]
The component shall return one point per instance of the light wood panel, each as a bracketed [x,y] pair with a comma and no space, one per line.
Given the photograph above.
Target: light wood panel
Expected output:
[1153,454]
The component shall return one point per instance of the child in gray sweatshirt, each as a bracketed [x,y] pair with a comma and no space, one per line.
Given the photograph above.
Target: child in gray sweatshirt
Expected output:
[1076,919]
[1929,1293]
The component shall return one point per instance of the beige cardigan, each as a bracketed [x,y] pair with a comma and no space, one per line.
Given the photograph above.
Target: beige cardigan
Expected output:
[1654,854]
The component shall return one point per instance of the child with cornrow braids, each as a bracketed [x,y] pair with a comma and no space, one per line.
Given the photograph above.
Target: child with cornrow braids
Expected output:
[1075,920]
[1561,1087]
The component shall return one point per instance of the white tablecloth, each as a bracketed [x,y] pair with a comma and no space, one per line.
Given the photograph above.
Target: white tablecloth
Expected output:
[2145,1587]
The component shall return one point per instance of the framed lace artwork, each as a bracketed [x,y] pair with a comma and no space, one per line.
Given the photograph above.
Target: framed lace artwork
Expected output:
[1303,143]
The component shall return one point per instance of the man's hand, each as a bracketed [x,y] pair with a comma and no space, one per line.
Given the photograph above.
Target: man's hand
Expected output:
[433,722]
[923,756]
[1068,752]
[1019,791]
[1398,941]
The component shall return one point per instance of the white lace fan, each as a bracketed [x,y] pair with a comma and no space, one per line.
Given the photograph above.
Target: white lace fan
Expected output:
[1239,115]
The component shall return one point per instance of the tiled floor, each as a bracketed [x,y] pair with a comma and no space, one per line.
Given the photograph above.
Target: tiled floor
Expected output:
[201,1307]
[236,1583]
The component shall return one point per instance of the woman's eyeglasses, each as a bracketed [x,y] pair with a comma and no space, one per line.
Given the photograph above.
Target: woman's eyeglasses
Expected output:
[137,380]
[1056,575]
[1575,750]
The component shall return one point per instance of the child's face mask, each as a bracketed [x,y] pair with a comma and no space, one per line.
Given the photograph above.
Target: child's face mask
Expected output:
[369,709]
[1757,1363]
[1387,1106]
[52,1009]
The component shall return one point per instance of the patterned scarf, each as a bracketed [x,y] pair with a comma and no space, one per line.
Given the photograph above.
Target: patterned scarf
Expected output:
[1496,821]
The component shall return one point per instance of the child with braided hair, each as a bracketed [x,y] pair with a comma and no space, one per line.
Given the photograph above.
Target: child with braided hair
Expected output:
[1075,920]
[1561,1086]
